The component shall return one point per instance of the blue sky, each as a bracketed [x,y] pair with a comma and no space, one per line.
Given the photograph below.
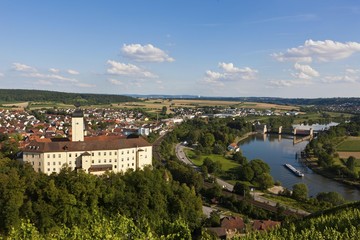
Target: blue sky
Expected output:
[209,48]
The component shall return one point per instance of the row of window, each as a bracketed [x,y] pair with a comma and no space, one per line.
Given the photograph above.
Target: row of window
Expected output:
[93,161]
[54,169]
[99,153]
[99,161]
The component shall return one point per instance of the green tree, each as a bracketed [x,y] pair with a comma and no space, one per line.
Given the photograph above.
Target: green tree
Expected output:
[213,220]
[164,110]
[241,189]
[350,163]
[300,191]
[264,181]
[239,158]
[333,198]
[246,173]
[207,140]
[212,166]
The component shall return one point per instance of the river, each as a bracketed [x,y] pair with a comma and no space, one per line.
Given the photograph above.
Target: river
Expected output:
[276,150]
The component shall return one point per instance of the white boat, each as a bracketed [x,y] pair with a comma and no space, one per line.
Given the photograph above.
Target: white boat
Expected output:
[294,170]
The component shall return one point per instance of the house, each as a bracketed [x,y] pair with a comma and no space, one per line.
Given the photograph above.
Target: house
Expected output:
[91,154]
[264,225]
[229,227]
[233,147]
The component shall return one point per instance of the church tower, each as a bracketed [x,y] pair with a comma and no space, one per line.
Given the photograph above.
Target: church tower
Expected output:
[77,123]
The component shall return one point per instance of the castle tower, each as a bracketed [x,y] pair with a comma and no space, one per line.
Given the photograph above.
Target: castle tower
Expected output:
[77,123]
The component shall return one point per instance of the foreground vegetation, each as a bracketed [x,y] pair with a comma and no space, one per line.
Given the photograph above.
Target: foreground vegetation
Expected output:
[338,223]
[70,200]
[323,156]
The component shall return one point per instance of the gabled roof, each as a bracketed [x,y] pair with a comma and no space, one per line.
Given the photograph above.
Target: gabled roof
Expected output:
[233,223]
[103,143]
[264,224]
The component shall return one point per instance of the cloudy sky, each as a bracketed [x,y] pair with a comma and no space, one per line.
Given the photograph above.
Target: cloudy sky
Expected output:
[230,48]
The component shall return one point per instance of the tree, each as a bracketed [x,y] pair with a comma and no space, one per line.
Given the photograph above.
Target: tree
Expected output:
[212,167]
[164,110]
[331,197]
[239,158]
[218,149]
[213,220]
[246,173]
[207,140]
[350,163]
[264,180]
[10,148]
[241,189]
[259,167]
[300,191]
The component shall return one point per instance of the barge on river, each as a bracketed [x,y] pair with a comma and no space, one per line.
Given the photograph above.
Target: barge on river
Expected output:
[294,170]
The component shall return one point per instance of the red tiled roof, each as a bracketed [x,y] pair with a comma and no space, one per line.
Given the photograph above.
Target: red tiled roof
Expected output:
[233,223]
[264,224]
[104,143]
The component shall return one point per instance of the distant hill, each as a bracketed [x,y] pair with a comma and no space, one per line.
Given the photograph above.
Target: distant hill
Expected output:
[275,100]
[20,95]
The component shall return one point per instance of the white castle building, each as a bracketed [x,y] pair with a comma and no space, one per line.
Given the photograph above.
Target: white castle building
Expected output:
[91,154]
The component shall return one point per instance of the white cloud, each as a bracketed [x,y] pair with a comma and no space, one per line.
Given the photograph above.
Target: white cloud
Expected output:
[1,74]
[72,72]
[115,81]
[322,51]
[213,76]
[288,83]
[49,77]
[145,53]
[305,71]
[128,70]
[44,82]
[54,70]
[85,85]
[23,68]
[350,76]
[229,73]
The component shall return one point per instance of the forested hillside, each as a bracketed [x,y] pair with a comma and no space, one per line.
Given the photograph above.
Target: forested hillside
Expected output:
[20,95]
[77,205]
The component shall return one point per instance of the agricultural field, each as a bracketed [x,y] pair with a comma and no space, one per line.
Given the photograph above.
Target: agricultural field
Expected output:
[316,117]
[350,147]
[155,105]
[350,144]
[19,105]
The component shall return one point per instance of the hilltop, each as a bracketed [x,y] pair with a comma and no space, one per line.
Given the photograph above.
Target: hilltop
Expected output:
[22,95]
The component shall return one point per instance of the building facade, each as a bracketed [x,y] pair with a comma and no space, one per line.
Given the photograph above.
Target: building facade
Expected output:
[92,155]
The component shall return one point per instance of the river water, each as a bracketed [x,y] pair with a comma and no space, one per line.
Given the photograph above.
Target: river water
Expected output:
[276,150]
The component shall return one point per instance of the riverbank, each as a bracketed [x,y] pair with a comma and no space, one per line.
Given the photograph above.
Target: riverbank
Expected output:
[319,170]
[239,139]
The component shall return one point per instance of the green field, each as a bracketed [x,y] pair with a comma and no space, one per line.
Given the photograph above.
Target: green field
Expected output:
[317,117]
[226,164]
[349,145]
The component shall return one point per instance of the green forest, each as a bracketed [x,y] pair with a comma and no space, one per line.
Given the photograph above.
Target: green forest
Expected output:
[20,95]
[77,205]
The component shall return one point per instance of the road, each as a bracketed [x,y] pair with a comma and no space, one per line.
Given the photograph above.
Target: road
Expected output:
[256,195]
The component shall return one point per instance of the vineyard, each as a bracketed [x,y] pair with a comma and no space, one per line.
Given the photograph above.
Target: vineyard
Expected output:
[338,223]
